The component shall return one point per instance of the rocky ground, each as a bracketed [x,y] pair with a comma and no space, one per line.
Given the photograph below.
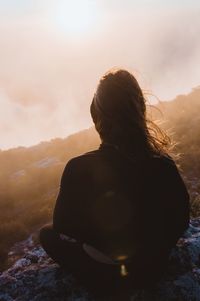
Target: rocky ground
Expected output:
[35,277]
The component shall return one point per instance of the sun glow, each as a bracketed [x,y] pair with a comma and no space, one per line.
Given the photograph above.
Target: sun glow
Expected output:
[76,17]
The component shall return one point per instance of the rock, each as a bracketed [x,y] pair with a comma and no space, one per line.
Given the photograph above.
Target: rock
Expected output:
[35,277]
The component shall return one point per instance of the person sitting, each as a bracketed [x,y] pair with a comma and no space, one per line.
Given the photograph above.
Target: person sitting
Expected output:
[122,207]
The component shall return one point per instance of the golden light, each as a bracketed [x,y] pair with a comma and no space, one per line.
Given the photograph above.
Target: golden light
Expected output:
[75,17]
[123,271]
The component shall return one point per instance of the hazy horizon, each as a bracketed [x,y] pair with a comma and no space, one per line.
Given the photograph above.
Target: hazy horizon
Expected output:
[54,52]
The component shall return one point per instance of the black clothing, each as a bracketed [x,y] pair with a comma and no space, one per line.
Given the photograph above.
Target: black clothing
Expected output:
[125,208]
[100,279]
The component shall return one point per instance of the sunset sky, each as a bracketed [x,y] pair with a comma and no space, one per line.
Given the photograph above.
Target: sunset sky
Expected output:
[52,53]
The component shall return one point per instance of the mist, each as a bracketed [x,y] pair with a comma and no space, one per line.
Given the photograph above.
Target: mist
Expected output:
[48,76]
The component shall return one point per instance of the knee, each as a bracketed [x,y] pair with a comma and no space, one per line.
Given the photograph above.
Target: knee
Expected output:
[45,234]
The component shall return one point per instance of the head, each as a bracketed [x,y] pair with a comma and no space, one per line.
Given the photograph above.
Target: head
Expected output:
[118,110]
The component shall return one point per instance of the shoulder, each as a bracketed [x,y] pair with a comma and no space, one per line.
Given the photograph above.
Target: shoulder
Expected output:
[78,162]
[83,157]
[162,167]
[163,160]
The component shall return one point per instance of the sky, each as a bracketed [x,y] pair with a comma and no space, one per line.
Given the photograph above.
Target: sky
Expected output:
[53,52]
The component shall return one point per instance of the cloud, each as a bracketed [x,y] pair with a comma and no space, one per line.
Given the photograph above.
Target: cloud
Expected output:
[25,126]
[48,78]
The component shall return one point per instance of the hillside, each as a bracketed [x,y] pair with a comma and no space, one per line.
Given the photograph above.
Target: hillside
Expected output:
[29,178]
[29,183]
[182,117]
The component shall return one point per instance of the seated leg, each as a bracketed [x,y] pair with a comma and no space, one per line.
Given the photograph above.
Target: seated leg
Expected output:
[96,276]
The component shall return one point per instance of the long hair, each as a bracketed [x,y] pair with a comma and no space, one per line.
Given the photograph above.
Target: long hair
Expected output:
[118,110]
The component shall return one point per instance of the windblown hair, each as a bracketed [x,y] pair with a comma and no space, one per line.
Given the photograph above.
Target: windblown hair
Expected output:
[119,113]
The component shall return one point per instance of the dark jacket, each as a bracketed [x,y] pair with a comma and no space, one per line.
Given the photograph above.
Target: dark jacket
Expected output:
[120,206]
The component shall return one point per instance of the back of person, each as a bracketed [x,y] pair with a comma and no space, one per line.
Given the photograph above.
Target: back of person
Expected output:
[125,203]
[132,211]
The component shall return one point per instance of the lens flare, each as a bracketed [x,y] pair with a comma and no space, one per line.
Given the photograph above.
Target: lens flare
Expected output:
[123,270]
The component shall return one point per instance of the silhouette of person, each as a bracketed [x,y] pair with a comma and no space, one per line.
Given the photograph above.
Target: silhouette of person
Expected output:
[122,207]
